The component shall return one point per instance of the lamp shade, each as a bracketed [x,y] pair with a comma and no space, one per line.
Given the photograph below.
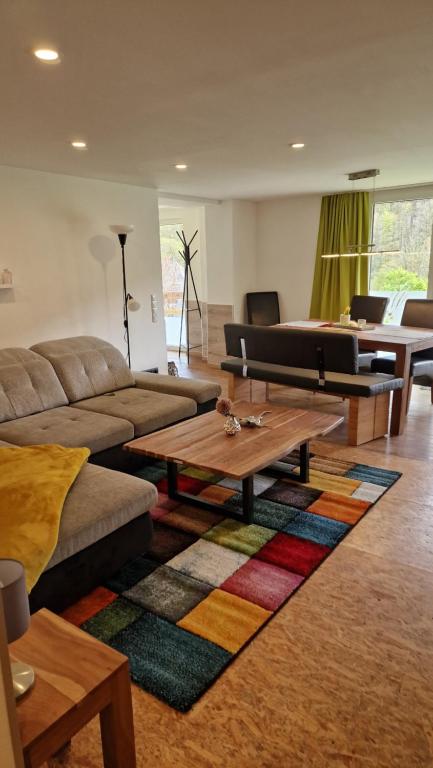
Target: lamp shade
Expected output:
[133,304]
[122,229]
[15,598]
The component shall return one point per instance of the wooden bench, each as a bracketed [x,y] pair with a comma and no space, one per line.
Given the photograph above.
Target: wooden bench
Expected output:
[314,361]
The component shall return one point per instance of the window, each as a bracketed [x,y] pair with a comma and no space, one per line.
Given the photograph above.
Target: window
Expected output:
[406,225]
[172,282]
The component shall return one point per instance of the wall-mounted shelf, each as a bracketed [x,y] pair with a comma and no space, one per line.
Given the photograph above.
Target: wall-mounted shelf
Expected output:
[5,287]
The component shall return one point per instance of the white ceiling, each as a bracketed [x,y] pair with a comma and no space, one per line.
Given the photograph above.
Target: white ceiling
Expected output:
[223,86]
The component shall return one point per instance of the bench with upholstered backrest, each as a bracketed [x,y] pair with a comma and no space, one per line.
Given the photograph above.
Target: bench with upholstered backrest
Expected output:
[314,360]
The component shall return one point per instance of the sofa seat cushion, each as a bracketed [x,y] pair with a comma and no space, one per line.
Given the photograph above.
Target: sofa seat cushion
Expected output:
[357,385]
[28,384]
[100,501]
[197,389]
[147,411]
[86,366]
[70,427]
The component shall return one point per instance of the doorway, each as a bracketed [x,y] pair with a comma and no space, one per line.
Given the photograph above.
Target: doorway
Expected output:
[187,219]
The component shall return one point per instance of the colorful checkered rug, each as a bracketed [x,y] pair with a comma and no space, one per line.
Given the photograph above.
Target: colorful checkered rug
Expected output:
[182,611]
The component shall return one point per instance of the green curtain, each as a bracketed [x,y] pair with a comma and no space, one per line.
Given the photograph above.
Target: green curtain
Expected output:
[344,220]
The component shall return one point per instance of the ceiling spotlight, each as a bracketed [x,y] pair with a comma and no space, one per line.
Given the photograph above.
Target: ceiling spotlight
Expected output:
[79,144]
[46,54]
[297,145]
[181,167]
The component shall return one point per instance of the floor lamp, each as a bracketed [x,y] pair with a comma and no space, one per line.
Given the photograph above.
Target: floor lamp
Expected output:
[129,304]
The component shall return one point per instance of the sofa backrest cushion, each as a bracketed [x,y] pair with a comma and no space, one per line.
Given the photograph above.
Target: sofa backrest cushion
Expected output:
[330,351]
[28,384]
[86,366]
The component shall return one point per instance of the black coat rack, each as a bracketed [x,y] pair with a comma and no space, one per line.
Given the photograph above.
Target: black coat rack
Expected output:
[186,309]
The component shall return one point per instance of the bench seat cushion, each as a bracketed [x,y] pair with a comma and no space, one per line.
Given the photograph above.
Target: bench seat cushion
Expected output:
[357,385]
[197,389]
[147,411]
[99,502]
[70,427]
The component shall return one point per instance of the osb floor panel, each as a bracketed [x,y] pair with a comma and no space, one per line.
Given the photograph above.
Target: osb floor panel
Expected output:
[342,676]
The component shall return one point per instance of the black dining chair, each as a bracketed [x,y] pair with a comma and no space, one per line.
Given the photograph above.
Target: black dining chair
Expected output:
[372,309]
[417,313]
[263,308]
[369,308]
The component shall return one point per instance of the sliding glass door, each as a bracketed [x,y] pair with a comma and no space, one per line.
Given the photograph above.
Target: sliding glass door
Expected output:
[172,282]
[407,226]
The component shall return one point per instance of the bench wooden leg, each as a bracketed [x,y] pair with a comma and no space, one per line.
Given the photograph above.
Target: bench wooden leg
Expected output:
[247,389]
[368,418]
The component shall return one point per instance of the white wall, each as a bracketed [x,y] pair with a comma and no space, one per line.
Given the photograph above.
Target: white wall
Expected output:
[219,252]
[244,255]
[286,249]
[66,264]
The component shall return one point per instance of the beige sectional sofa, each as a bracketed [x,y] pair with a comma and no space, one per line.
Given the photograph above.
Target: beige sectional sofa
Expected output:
[80,392]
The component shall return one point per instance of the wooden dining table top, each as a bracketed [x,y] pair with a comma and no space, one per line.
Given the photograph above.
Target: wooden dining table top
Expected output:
[383,337]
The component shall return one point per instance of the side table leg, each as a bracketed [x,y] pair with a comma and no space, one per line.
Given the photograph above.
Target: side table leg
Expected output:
[117,726]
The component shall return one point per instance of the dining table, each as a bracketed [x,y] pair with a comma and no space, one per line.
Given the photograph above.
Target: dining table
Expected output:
[403,340]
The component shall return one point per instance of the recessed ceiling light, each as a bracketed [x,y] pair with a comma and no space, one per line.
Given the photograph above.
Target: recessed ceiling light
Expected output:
[297,145]
[79,144]
[181,166]
[46,54]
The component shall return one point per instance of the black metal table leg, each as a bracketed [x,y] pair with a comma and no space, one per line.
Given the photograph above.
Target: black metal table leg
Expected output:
[247,486]
[196,501]
[248,499]
[304,464]
[172,479]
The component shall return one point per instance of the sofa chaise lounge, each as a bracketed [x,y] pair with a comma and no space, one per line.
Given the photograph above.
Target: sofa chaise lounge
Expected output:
[46,396]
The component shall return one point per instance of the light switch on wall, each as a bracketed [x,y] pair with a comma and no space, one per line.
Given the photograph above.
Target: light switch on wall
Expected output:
[154,307]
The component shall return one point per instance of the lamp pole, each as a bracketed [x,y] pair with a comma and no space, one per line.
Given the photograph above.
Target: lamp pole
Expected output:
[122,240]
[122,231]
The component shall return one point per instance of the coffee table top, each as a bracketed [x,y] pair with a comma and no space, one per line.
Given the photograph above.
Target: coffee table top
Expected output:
[201,442]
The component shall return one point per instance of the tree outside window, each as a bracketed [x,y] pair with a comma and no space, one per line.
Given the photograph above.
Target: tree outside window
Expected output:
[406,225]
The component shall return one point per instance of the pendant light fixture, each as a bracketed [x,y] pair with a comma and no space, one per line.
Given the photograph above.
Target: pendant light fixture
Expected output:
[363,249]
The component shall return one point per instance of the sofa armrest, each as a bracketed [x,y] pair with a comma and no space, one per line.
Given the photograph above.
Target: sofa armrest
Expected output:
[196,389]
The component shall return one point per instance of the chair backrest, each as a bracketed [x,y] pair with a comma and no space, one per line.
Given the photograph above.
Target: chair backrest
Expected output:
[369,308]
[315,350]
[418,313]
[263,308]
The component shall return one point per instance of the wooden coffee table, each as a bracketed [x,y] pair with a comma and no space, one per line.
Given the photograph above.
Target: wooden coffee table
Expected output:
[202,443]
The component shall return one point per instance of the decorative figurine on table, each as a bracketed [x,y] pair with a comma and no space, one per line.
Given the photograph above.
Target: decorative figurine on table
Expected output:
[233,423]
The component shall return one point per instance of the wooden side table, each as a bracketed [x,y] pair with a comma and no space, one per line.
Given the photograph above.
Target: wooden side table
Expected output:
[77,677]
